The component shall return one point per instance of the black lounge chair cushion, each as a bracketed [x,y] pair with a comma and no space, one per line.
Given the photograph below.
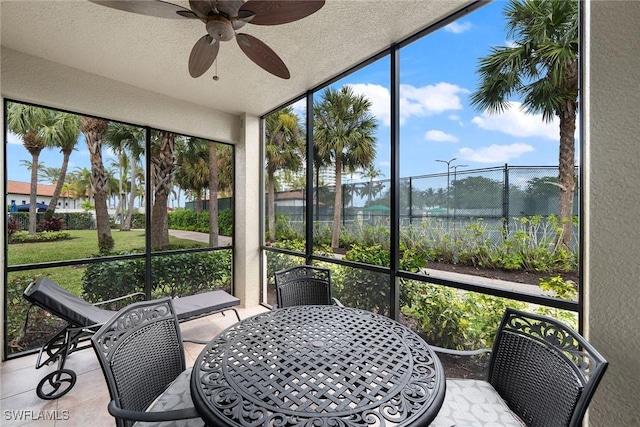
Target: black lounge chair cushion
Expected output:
[58,301]
[201,304]
[62,303]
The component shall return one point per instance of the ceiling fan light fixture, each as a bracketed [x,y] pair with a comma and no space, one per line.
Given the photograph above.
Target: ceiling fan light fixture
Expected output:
[219,28]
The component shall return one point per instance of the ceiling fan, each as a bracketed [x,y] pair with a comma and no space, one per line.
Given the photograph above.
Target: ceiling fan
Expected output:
[222,19]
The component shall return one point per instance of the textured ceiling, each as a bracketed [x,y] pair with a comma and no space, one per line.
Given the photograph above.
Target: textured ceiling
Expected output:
[152,53]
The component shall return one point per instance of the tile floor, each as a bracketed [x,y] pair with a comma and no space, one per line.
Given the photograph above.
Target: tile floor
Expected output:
[86,403]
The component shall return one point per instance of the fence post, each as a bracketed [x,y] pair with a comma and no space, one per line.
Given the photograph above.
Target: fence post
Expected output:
[505,200]
[410,200]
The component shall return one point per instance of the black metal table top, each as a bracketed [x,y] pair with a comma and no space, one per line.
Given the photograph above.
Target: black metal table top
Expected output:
[320,366]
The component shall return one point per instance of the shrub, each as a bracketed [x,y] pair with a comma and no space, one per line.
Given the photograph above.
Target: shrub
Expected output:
[455,319]
[78,220]
[189,220]
[13,226]
[363,288]
[50,224]
[285,229]
[278,261]
[48,236]
[138,220]
[41,323]
[225,222]
[172,275]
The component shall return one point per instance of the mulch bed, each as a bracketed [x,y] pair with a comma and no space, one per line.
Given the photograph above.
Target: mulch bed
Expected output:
[527,277]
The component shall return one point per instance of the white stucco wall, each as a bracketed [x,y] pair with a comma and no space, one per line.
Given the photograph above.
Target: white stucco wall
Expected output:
[247,227]
[613,181]
[30,79]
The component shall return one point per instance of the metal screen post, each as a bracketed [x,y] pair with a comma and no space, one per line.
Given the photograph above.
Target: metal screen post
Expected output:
[505,199]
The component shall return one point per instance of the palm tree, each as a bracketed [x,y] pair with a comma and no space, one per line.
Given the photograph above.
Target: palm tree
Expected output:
[128,142]
[80,183]
[48,174]
[213,194]
[63,133]
[344,132]
[372,173]
[162,167]
[542,67]
[224,154]
[27,121]
[94,131]
[192,168]
[284,149]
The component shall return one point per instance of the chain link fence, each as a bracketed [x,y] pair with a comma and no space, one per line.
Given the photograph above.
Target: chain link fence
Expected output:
[496,195]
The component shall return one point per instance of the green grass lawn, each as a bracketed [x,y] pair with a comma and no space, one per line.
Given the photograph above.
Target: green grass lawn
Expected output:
[83,244]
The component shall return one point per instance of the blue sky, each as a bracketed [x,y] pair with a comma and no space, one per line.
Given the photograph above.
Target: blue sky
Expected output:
[437,75]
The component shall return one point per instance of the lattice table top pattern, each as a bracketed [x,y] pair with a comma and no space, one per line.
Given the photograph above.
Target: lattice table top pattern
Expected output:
[318,366]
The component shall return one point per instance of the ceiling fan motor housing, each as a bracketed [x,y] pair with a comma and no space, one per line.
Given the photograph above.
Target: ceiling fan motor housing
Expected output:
[219,28]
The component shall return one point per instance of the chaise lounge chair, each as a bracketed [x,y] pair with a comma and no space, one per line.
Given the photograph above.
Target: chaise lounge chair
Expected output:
[83,319]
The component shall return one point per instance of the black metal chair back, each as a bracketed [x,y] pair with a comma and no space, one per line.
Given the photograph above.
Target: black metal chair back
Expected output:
[303,285]
[545,371]
[141,353]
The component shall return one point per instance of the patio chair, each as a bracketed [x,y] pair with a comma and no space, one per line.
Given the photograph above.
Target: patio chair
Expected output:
[83,318]
[541,374]
[142,357]
[304,285]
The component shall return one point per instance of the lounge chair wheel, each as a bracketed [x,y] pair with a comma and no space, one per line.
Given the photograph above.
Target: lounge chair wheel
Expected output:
[56,384]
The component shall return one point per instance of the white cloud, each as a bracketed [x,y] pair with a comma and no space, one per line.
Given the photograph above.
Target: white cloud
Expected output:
[12,138]
[458,27]
[515,122]
[429,100]
[455,118]
[495,153]
[438,135]
[414,101]
[379,97]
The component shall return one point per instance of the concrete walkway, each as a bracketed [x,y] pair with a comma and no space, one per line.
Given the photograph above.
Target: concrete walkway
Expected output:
[200,237]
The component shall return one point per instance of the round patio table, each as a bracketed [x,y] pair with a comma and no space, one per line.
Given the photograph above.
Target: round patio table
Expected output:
[317,366]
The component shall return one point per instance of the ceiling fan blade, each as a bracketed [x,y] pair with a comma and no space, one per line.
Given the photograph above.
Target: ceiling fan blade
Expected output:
[262,55]
[244,17]
[280,11]
[229,7]
[202,8]
[160,9]
[202,55]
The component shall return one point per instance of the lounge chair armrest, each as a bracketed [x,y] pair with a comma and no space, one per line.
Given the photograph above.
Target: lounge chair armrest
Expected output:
[460,352]
[177,414]
[337,302]
[119,298]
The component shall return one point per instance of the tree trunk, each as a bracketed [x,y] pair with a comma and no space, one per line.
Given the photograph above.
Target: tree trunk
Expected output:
[33,194]
[213,194]
[337,205]
[94,130]
[56,192]
[272,205]
[566,173]
[126,221]
[163,165]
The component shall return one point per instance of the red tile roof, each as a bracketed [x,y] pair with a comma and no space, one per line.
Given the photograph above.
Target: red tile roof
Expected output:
[18,187]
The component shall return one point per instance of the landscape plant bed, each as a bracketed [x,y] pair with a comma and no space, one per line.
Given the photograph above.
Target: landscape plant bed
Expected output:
[517,276]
